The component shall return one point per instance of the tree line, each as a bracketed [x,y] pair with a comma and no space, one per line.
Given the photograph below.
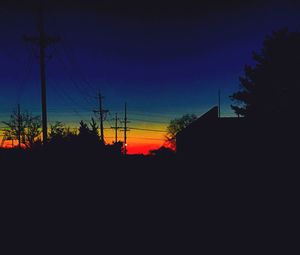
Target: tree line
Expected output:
[26,129]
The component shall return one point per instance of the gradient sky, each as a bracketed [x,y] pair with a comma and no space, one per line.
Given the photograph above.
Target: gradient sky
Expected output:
[164,59]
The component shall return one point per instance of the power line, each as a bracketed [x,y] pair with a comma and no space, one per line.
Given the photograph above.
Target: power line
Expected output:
[148,138]
[108,120]
[73,122]
[150,121]
[146,129]
[28,70]
[75,84]
[161,115]
[71,58]
[67,95]
[82,91]
[74,110]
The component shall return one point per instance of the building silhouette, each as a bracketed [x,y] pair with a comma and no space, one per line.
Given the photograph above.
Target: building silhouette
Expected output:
[211,136]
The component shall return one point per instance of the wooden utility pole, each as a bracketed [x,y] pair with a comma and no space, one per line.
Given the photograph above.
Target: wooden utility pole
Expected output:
[219,103]
[101,116]
[125,129]
[42,41]
[116,128]
[19,118]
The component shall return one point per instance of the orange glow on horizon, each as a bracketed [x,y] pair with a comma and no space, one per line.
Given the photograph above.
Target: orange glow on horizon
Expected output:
[141,141]
[138,141]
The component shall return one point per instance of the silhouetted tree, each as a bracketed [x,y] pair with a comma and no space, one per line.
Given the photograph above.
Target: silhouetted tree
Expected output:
[57,131]
[271,87]
[33,130]
[94,127]
[176,125]
[91,132]
[23,125]
[60,135]
[83,129]
[88,136]
[15,127]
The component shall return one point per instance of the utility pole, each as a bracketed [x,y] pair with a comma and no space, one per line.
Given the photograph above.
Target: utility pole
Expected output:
[19,125]
[219,103]
[101,116]
[116,128]
[125,130]
[42,41]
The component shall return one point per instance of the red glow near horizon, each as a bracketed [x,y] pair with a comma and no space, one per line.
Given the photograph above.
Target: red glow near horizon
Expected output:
[136,149]
[144,148]
[141,149]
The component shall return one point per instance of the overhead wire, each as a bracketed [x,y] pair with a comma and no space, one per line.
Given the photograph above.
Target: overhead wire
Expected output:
[148,121]
[28,70]
[146,129]
[74,110]
[74,83]
[71,59]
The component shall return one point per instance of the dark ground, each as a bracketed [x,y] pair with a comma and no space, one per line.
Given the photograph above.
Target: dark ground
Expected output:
[143,204]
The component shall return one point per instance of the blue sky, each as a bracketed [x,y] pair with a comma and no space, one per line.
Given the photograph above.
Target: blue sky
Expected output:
[162,65]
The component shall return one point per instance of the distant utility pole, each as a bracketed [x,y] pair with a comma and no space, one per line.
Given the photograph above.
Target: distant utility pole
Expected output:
[125,129]
[116,128]
[19,124]
[42,41]
[219,103]
[101,116]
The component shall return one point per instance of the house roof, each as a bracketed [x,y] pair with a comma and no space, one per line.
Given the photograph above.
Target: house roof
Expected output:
[211,116]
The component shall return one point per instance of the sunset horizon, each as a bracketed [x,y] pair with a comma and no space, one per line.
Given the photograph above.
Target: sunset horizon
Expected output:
[162,64]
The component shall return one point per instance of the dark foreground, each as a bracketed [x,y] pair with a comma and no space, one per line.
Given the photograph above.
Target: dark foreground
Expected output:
[145,204]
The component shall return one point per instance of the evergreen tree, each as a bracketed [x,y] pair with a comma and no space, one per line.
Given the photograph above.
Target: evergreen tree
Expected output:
[270,88]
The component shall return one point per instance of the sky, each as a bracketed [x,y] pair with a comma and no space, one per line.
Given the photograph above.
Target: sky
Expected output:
[164,58]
